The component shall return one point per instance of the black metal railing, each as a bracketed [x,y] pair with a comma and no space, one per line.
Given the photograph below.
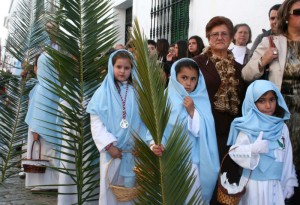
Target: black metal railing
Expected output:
[169,20]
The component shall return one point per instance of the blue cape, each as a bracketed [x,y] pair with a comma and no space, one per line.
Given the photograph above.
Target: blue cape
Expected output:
[41,115]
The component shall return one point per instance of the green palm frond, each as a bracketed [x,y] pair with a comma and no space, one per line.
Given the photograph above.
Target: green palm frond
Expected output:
[23,43]
[85,31]
[26,33]
[168,179]
[13,127]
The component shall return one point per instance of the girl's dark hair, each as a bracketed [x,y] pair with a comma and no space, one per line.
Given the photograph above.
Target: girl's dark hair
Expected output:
[187,63]
[200,46]
[123,55]
[36,59]
[162,47]
[182,49]
[279,111]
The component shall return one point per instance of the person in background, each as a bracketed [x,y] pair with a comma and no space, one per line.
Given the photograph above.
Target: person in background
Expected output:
[273,24]
[224,84]
[180,51]
[152,48]
[119,46]
[195,46]
[261,145]
[284,67]
[242,36]
[41,118]
[162,48]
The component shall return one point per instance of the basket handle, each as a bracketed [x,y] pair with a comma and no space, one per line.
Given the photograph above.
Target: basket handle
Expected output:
[32,146]
[224,159]
[109,163]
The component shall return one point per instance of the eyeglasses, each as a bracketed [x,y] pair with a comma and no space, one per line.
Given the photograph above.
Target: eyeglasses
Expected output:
[295,12]
[215,35]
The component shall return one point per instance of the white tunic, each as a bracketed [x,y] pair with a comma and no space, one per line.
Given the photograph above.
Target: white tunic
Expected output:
[269,192]
[65,195]
[102,138]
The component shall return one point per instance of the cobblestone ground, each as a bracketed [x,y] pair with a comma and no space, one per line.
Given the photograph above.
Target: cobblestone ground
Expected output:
[13,192]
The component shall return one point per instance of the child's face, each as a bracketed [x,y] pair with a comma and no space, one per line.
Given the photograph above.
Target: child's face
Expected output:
[122,69]
[267,103]
[188,77]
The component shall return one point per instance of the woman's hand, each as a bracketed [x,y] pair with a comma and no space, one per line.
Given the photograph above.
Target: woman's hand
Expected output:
[171,56]
[157,149]
[188,103]
[115,152]
[269,56]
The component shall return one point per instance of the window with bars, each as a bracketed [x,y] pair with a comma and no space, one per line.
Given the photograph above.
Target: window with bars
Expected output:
[169,20]
[128,24]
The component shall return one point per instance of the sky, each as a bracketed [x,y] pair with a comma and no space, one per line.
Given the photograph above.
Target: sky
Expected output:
[3,12]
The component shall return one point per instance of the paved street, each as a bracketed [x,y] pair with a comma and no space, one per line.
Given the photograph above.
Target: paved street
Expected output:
[14,192]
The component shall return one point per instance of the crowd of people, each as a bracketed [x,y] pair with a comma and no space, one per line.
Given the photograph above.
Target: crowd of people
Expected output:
[238,100]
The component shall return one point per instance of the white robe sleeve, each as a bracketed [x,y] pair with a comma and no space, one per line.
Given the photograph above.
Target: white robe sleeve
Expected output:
[288,178]
[241,152]
[100,134]
[194,124]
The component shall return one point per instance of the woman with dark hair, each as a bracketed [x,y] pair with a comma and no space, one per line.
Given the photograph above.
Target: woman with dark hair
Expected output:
[242,37]
[162,47]
[180,51]
[224,83]
[283,61]
[195,46]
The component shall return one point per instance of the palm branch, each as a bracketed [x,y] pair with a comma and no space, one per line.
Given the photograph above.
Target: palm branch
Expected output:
[13,127]
[27,31]
[167,179]
[85,31]
[25,37]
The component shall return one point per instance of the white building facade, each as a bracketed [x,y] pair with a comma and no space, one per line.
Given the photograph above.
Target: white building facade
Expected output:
[199,12]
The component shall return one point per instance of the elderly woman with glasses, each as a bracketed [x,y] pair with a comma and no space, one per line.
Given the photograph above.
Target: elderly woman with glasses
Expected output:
[224,83]
[283,63]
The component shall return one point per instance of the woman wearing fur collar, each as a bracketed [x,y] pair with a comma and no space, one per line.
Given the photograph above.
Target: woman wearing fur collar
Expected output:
[224,84]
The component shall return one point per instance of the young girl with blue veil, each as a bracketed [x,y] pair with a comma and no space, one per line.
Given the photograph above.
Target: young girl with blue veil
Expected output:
[262,146]
[188,97]
[114,115]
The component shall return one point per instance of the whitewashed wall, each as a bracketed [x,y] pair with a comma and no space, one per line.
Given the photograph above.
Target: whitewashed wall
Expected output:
[252,12]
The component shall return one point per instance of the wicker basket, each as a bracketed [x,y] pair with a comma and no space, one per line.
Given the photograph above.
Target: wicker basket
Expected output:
[122,194]
[223,196]
[35,165]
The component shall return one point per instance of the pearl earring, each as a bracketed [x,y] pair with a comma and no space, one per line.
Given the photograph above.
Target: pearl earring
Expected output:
[286,22]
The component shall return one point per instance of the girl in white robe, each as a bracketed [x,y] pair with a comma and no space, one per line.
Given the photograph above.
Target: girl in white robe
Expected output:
[114,115]
[262,146]
[41,119]
[190,104]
